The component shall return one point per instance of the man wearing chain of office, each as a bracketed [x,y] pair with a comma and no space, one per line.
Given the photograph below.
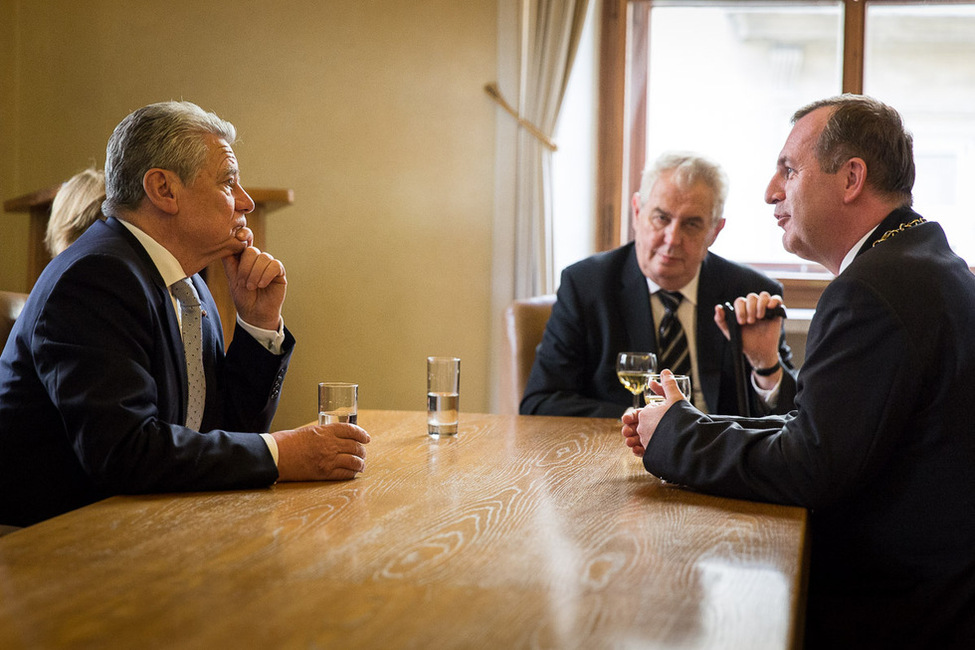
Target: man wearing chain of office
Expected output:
[881,445]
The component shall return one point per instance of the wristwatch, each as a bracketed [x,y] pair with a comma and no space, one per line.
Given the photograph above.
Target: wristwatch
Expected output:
[767,372]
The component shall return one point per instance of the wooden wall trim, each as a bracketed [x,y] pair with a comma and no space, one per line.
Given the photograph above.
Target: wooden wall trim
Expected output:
[609,156]
[853,35]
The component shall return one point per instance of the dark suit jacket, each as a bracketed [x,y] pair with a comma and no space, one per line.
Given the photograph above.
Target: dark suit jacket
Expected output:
[93,388]
[881,447]
[603,308]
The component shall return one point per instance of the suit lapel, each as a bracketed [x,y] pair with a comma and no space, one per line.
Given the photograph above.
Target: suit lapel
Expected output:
[892,221]
[711,344]
[211,327]
[634,302]
[170,334]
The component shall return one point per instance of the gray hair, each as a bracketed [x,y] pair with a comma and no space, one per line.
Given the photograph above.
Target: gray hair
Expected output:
[167,135]
[688,169]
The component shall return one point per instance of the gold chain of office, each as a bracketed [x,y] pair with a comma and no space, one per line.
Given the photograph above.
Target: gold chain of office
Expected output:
[901,228]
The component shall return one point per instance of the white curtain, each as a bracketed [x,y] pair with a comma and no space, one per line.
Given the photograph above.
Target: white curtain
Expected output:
[550,33]
[537,41]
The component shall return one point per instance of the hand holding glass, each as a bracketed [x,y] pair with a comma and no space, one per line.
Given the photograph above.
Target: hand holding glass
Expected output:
[634,370]
[338,402]
[683,385]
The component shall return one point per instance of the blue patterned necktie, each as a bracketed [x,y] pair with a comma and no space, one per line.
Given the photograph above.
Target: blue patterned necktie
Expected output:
[671,340]
[191,326]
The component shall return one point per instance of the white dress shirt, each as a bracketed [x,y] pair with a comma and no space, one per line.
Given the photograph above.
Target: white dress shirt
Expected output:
[171,271]
[687,315]
[852,253]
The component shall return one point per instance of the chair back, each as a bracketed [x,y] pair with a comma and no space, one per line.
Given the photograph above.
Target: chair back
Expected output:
[524,324]
[11,303]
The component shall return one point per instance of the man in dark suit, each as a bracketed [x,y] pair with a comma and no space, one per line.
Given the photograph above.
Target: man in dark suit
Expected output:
[881,446]
[94,392]
[615,302]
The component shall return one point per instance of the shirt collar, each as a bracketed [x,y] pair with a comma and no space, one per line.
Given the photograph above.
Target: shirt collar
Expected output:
[689,290]
[853,251]
[166,263]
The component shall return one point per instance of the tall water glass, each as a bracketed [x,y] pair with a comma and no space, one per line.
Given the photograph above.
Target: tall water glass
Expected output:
[443,395]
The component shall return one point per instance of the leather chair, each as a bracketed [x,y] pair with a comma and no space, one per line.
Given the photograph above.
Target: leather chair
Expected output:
[11,303]
[524,323]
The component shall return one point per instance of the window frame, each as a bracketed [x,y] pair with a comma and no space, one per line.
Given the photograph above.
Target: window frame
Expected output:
[621,148]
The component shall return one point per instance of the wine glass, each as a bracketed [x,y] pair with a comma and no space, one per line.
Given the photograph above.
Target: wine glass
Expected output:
[634,370]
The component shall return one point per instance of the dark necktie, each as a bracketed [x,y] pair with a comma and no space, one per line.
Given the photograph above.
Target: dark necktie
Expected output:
[671,340]
[191,326]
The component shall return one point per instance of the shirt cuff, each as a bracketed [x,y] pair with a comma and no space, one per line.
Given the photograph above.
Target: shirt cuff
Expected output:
[270,339]
[272,445]
[769,397]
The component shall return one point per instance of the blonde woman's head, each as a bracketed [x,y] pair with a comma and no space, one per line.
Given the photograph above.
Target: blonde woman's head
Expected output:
[76,206]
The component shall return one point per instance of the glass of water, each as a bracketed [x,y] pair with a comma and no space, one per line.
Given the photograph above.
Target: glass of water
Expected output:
[443,395]
[338,402]
[684,385]
[652,399]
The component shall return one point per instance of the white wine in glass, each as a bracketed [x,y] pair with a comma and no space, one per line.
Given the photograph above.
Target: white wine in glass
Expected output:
[634,370]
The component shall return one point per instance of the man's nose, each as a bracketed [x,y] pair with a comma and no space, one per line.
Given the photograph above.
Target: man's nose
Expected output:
[672,233]
[774,192]
[244,202]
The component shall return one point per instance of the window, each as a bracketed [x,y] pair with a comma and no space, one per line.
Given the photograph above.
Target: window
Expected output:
[921,60]
[723,78]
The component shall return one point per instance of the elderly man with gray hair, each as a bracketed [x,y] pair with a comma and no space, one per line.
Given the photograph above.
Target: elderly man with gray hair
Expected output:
[114,378]
[663,293]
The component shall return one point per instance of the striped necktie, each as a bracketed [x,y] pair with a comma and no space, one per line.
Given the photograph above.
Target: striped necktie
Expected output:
[191,326]
[671,340]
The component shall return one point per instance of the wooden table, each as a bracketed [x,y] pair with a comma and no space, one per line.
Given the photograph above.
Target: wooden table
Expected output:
[520,532]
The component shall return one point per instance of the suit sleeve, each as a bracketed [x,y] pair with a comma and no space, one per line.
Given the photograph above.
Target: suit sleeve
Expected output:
[251,378]
[787,391]
[852,403]
[562,366]
[97,351]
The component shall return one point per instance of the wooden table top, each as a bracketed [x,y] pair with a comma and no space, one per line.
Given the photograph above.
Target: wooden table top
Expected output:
[519,532]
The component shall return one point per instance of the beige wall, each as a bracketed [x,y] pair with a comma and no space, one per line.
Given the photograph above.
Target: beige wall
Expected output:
[372,111]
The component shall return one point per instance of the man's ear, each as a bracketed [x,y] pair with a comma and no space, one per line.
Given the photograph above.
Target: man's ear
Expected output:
[855,176]
[635,215]
[715,230]
[161,188]
[636,204]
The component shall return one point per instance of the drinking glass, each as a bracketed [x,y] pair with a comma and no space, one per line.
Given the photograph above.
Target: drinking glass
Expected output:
[684,385]
[634,370]
[338,402]
[652,399]
[443,395]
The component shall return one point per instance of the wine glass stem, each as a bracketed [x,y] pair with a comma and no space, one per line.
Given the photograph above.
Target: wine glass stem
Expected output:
[636,401]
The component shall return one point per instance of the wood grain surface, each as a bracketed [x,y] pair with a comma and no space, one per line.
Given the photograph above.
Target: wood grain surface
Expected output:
[520,532]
